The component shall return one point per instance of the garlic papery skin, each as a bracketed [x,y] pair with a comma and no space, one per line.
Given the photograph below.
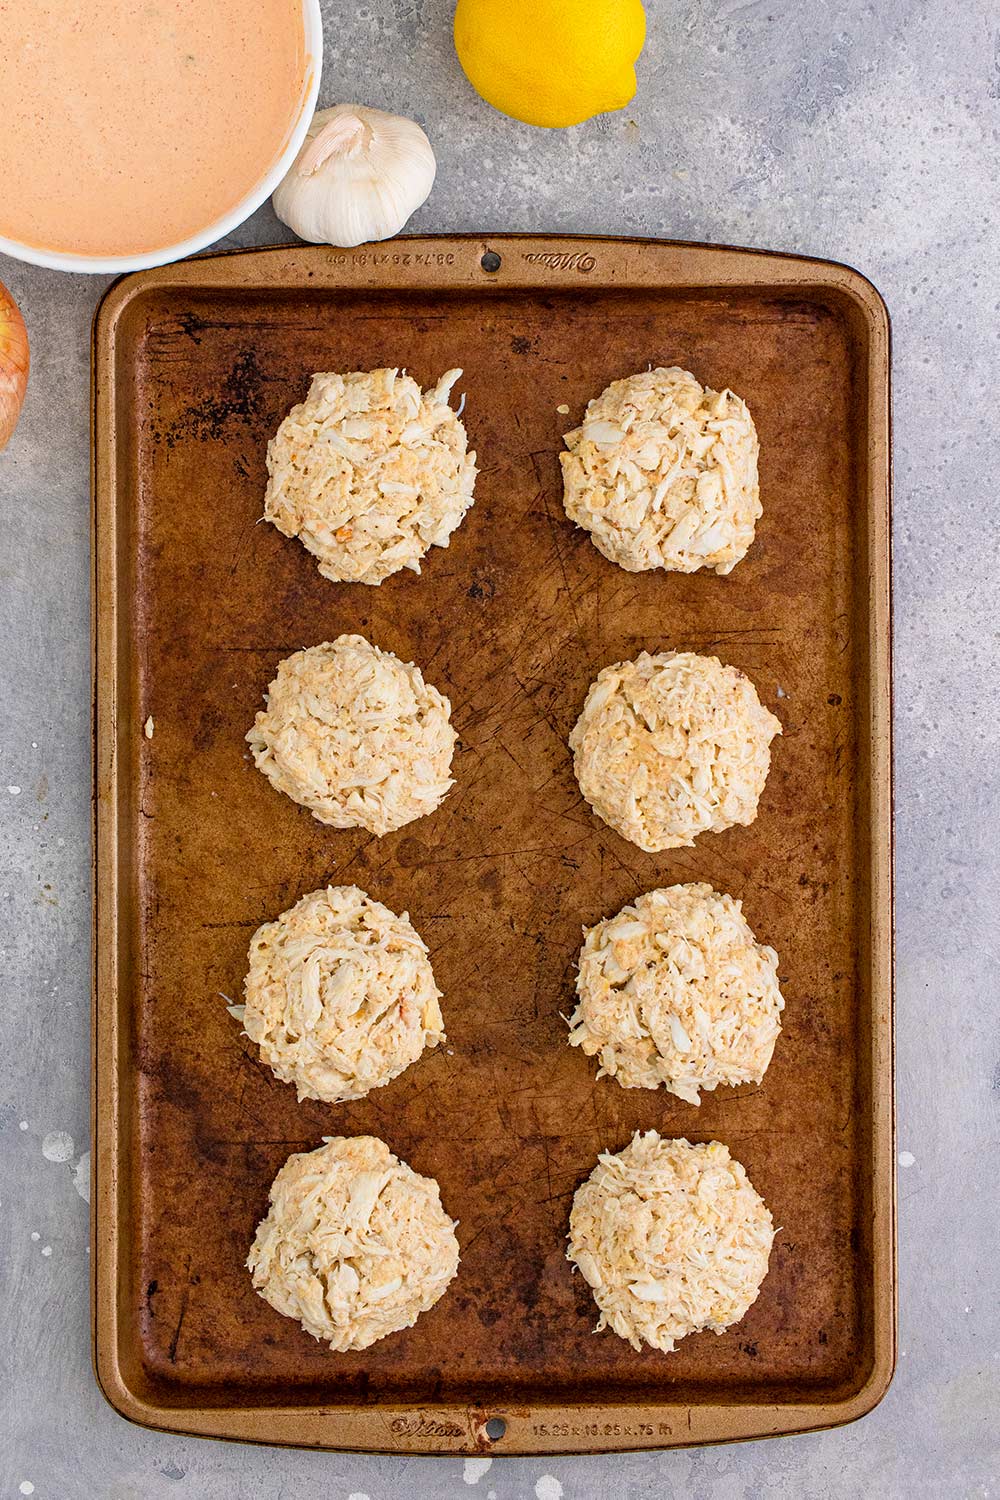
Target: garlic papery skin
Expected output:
[359,176]
[14,362]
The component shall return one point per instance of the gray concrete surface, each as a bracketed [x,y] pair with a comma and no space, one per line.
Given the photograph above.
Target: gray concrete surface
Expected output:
[866,133]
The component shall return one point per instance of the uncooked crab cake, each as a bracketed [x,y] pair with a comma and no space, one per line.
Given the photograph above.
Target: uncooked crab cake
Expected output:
[369,472]
[676,990]
[670,746]
[663,474]
[340,996]
[671,1238]
[355,1245]
[355,735]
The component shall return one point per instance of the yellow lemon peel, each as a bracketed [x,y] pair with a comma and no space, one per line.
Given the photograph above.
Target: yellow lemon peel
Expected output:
[551,63]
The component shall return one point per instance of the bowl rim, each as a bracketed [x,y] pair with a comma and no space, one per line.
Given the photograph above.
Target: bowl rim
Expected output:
[58,260]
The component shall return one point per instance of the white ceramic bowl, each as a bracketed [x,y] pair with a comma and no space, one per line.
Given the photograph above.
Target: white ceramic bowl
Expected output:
[112,264]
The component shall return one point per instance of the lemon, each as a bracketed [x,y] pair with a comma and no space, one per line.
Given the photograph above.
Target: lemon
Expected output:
[551,62]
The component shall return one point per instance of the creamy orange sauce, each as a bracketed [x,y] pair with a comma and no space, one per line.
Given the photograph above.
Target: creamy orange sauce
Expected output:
[128,125]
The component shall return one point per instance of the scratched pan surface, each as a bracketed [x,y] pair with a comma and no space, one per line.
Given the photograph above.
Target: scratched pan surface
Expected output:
[196,603]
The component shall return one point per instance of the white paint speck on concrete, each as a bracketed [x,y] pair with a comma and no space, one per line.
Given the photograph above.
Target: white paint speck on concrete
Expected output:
[22,1125]
[906,1158]
[475,1468]
[81,1177]
[35,1236]
[26,1487]
[548,1488]
[15,791]
[58,1146]
[357,1495]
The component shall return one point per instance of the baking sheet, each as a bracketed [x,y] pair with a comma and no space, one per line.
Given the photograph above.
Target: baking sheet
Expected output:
[195,603]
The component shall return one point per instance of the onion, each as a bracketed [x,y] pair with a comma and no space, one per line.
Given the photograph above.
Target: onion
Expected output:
[14,361]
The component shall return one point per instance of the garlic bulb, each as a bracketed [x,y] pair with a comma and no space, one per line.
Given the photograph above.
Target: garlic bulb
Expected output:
[14,360]
[359,176]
